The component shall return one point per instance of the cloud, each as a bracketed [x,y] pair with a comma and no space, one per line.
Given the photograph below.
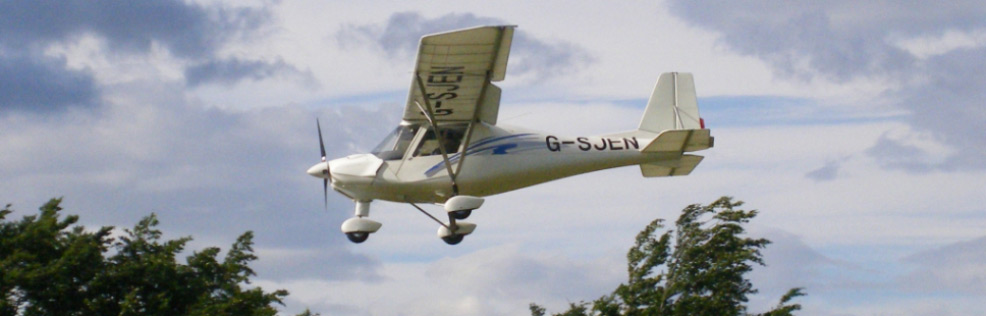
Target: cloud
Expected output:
[399,37]
[895,154]
[43,85]
[232,70]
[790,263]
[194,34]
[842,41]
[955,268]
[837,39]
[497,280]
[948,100]
[827,172]
[188,30]
[206,172]
[509,273]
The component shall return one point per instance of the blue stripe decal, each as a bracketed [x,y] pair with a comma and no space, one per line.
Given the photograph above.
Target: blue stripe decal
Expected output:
[494,149]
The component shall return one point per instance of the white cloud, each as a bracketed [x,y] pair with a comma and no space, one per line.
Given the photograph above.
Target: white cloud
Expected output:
[499,280]
[928,45]
[926,56]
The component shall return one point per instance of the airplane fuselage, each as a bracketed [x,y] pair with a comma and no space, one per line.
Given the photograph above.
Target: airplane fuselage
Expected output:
[498,160]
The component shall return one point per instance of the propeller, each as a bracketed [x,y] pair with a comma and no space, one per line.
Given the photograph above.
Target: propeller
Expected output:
[328,175]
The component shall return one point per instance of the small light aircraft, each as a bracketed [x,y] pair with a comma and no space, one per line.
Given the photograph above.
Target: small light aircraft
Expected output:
[448,149]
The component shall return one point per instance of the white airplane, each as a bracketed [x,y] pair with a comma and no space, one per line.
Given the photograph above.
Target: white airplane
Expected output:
[471,157]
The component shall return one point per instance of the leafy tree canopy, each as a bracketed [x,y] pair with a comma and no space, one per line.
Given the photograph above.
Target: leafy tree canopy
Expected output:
[50,266]
[698,268]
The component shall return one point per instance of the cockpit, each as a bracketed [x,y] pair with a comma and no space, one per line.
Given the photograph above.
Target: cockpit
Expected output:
[395,146]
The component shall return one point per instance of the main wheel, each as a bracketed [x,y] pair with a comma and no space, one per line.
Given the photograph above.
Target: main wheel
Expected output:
[358,237]
[453,239]
[462,214]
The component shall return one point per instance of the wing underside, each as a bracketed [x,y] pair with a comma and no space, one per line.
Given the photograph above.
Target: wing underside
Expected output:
[454,74]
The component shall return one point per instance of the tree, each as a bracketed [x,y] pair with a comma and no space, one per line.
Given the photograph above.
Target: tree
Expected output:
[698,268]
[50,267]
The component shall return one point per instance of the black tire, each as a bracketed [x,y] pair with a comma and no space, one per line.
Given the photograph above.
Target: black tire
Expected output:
[464,214]
[357,237]
[453,239]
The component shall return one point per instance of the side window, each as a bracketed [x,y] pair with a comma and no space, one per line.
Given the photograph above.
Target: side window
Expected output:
[452,136]
[393,146]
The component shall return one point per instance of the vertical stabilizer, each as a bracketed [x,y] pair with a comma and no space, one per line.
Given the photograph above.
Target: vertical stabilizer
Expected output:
[672,116]
[672,105]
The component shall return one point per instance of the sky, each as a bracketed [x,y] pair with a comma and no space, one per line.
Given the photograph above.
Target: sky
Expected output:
[853,127]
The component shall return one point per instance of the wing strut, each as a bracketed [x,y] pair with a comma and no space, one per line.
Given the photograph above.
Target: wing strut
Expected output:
[426,109]
[479,103]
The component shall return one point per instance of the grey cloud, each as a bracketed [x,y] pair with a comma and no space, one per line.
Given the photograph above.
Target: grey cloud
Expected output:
[948,100]
[828,172]
[893,154]
[188,30]
[206,172]
[956,267]
[43,85]
[546,59]
[789,262]
[232,70]
[845,40]
[801,39]
[399,37]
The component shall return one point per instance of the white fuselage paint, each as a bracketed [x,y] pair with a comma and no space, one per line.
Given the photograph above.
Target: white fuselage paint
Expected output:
[498,160]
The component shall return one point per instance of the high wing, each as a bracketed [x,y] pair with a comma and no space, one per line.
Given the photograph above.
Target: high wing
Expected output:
[455,71]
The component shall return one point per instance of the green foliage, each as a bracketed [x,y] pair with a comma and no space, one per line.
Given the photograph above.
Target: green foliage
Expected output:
[698,268]
[49,267]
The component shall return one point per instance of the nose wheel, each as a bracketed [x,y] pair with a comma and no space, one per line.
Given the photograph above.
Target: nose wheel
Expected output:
[359,228]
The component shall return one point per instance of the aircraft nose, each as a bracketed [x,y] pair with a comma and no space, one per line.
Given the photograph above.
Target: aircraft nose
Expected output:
[319,170]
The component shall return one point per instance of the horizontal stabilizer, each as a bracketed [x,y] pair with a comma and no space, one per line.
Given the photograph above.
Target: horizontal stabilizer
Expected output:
[680,167]
[681,140]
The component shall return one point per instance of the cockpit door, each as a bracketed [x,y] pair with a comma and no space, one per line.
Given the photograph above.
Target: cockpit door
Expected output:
[424,156]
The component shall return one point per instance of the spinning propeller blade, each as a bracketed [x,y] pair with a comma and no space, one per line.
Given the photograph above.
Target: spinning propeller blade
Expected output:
[321,144]
[328,175]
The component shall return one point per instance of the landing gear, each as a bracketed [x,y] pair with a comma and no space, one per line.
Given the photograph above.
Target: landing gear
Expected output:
[359,228]
[461,214]
[459,230]
[458,208]
[358,237]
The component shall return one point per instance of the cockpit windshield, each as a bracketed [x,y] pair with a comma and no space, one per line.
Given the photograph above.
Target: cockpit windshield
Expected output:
[393,146]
